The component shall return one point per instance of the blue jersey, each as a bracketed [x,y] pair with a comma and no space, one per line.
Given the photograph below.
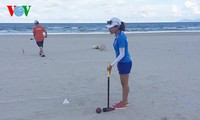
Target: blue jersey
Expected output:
[121,42]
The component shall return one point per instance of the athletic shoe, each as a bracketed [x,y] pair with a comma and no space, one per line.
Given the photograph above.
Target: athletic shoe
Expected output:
[119,103]
[120,106]
[43,55]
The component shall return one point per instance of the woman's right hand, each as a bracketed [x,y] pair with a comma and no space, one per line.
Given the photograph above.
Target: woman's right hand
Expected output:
[109,68]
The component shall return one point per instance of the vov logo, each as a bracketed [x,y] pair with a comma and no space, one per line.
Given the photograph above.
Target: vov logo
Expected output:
[19,10]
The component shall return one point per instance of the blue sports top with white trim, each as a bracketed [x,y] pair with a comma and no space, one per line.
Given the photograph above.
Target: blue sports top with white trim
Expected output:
[121,42]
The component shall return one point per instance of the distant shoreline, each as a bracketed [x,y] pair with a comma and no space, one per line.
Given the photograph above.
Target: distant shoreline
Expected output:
[98,28]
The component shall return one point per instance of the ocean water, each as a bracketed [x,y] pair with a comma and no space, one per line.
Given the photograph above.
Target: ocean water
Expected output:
[70,28]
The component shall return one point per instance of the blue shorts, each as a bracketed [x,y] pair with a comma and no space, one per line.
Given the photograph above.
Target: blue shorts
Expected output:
[124,68]
[40,44]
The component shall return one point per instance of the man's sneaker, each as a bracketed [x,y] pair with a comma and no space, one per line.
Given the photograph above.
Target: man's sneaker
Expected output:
[120,106]
[40,53]
[43,55]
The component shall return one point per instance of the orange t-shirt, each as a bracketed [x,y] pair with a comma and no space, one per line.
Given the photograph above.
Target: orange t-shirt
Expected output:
[38,32]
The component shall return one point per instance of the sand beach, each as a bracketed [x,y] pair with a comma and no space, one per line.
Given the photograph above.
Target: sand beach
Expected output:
[164,82]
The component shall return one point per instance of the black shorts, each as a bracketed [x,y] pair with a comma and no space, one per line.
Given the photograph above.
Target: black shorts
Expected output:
[40,44]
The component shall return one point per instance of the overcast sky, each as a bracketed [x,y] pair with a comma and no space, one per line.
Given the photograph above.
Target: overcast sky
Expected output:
[95,11]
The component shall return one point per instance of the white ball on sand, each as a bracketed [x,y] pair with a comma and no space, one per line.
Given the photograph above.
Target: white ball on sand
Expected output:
[95,47]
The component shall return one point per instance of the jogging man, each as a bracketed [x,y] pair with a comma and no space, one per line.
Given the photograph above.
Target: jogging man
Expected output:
[39,37]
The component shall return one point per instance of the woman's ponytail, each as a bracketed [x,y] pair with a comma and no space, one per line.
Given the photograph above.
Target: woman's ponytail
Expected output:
[122,26]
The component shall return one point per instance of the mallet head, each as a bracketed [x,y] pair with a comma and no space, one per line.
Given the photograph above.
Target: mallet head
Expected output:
[108,109]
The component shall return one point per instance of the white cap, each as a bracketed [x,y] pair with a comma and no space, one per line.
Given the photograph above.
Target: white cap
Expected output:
[36,22]
[112,22]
